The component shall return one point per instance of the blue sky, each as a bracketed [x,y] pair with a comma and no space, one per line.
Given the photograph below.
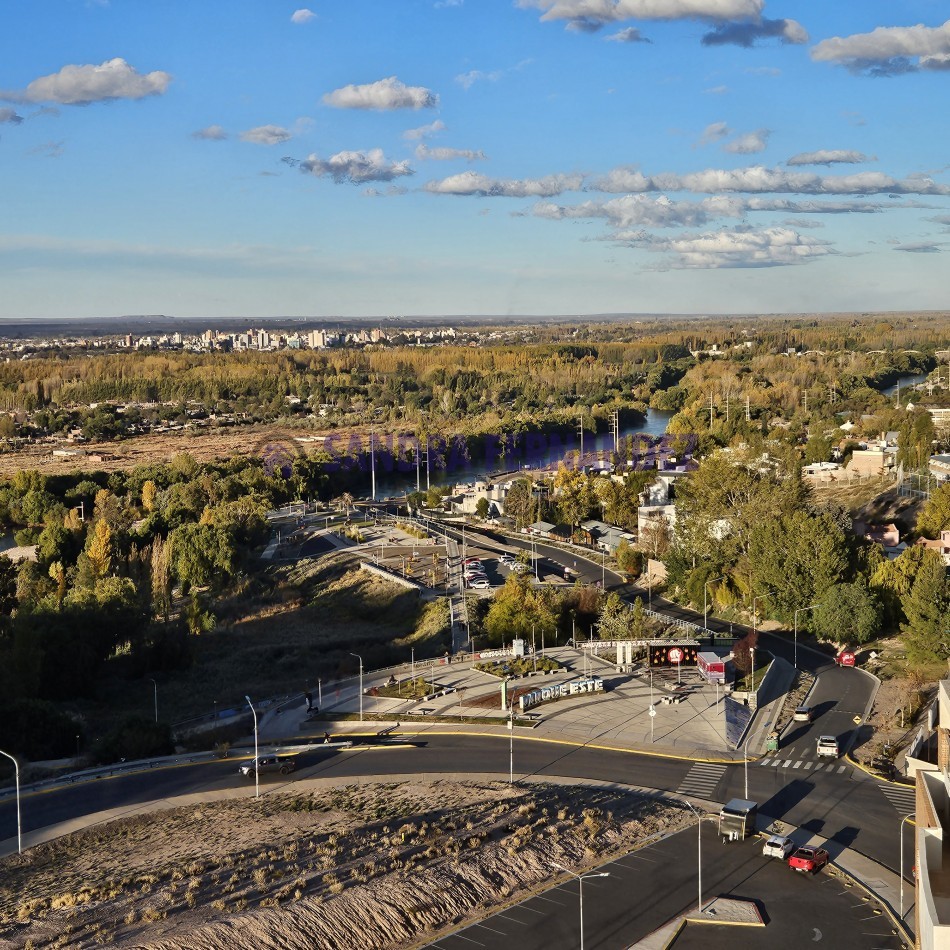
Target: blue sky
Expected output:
[396,157]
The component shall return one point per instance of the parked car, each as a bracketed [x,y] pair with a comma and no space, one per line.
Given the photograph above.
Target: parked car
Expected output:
[507,560]
[809,860]
[472,560]
[778,846]
[520,568]
[827,747]
[480,583]
[803,714]
[269,763]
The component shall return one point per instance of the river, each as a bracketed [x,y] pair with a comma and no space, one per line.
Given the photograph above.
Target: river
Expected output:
[905,383]
[540,451]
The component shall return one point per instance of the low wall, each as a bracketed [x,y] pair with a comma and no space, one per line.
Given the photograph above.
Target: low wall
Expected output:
[391,576]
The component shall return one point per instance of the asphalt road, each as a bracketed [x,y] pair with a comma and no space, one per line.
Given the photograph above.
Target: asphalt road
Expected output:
[657,884]
[847,807]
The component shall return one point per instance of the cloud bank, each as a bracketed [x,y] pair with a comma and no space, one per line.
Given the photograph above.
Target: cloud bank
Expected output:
[355,167]
[889,50]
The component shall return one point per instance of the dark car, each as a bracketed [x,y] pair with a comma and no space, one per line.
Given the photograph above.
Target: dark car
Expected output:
[269,763]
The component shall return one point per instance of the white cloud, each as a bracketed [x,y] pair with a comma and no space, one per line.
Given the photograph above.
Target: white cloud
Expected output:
[213,133]
[739,247]
[749,144]
[714,132]
[637,211]
[716,90]
[423,152]
[10,115]
[745,33]
[356,167]
[385,94]
[630,35]
[266,135]
[302,16]
[830,156]
[474,183]
[599,12]
[889,50]
[467,80]
[424,131]
[81,85]
[758,179]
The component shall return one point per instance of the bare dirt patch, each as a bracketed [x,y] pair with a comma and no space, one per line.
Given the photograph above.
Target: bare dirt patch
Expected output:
[357,867]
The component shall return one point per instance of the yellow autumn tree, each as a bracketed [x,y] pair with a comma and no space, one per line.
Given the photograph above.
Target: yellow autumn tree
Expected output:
[149,495]
[99,548]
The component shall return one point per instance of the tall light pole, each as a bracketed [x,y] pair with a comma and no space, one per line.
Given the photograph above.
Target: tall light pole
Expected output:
[19,831]
[798,610]
[699,846]
[712,580]
[155,688]
[905,818]
[361,683]
[257,774]
[511,741]
[652,707]
[580,889]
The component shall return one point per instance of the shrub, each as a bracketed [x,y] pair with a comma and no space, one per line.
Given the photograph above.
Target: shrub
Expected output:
[136,738]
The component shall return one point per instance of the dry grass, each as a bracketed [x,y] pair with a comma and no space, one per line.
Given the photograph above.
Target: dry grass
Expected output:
[361,867]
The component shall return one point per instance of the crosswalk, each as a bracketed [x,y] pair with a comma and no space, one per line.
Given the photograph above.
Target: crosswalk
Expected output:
[901,797]
[701,780]
[833,767]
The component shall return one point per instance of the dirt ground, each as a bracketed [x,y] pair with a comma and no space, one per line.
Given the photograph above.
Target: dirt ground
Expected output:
[361,867]
[204,445]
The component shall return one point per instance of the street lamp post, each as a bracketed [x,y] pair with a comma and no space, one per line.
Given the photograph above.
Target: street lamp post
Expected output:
[746,756]
[712,580]
[155,688]
[361,683]
[652,707]
[699,846]
[580,890]
[511,741]
[798,610]
[19,830]
[257,776]
[905,818]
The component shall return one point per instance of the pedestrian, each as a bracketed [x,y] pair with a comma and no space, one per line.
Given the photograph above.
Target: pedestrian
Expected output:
[326,738]
[309,697]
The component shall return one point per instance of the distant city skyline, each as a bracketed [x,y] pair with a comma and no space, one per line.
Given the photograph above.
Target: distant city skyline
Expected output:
[442,157]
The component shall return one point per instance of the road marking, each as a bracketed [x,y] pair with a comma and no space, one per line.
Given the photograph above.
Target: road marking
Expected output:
[788,762]
[808,765]
[501,933]
[842,768]
[900,796]
[701,780]
[777,763]
[819,766]
[541,897]
[797,764]
[523,923]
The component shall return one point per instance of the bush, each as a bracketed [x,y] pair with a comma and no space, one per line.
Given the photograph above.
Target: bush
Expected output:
[135,738]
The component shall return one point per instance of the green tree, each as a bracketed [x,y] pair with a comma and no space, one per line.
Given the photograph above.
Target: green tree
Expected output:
[934,515]
[520,503]
[927,609]
[615,619]
[482,507]
[848,613]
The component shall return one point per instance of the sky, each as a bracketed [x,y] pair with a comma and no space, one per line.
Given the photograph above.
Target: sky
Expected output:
[262,158]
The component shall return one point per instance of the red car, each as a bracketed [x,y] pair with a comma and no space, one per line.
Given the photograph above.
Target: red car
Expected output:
[808,859]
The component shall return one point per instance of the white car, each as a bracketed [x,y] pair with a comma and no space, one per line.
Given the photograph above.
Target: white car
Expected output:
[778,846]
[508,560]
[828,746]
[479,583]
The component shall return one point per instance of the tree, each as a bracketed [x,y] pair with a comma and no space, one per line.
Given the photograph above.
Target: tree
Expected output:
[927,609]
[482,507]
[744,652]
[198,618]
[149,495]
[934,516]
[520,503]
[99,549]
[848,613]
[628,560]
[615,617]
[160,567]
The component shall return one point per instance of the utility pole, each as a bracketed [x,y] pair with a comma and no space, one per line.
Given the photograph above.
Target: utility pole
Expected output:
[710,411]
[418,483]
[372,461]
[615,424]
[580,431]
[748,414]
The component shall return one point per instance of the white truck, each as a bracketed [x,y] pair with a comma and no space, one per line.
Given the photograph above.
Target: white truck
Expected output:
[827,747]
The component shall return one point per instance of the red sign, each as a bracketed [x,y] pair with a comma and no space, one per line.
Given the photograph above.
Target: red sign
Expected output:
[846,658]
[676,655]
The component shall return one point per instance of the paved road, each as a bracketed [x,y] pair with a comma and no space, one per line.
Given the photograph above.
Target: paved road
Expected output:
[841,804]
[656,884]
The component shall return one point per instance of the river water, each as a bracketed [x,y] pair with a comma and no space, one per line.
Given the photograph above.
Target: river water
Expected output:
[905,383]
[539,451]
